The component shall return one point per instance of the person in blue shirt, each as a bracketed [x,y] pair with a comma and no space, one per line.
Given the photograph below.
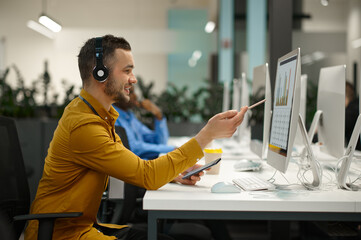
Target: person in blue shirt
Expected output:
[144,142]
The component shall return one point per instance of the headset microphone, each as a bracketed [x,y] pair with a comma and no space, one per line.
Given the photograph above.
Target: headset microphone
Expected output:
[100,72]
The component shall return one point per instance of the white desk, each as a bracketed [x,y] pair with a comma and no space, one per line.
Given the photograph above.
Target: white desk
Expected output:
[175,201]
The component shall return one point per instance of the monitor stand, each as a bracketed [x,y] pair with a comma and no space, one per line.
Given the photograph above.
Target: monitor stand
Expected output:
[347,159]
[315,166]
[324,157]
[314,124]
[311,132]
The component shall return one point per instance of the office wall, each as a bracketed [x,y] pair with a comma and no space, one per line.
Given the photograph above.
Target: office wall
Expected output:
[331,31]
[143,23]
[354,33]
[332,18]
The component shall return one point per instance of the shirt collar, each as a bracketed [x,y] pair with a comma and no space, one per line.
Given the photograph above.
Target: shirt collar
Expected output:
[109,116]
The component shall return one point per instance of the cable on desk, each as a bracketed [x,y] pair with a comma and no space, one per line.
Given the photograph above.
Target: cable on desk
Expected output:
[348,177]
[281,186]
[301,176]
[272,179]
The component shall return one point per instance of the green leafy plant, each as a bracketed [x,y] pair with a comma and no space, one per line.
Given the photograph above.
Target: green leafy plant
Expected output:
[179,105]
[20,101]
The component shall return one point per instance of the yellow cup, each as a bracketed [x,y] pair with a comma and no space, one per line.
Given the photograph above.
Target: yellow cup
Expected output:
[211,154]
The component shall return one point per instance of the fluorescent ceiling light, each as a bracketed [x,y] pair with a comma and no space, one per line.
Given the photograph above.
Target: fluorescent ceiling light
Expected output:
[356,43]
[210,26]
[197,55]
[324,3]
[40,29]
[192,61]
[49,23]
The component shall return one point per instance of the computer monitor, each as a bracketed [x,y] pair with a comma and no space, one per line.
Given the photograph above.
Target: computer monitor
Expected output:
[240,94]
[261,116]
[286,107]
[243,135]
[329,119]
[240,98]
[225,105]
[236,101]
[303,104]
[347,159]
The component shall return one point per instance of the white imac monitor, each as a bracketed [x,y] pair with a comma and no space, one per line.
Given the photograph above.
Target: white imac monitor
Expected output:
[225,105]
[303,104]
[243,129]
[285,114]
[261,116]
[329,119]
[236,101]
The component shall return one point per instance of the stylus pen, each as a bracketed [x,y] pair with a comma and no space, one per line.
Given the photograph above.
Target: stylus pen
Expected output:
[256,104]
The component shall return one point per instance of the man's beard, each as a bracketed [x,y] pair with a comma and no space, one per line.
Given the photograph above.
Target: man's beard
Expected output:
[116,94]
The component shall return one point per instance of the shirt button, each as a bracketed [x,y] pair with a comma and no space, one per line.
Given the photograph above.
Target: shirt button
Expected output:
[106,118]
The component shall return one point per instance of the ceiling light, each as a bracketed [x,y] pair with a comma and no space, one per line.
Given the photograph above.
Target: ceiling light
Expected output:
[210,26]
[40,29]
[197,55]
[49,23]
[324,3]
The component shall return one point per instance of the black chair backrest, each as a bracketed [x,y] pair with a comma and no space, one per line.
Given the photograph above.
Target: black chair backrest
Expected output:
[131,192]
[123,135]
[14,188]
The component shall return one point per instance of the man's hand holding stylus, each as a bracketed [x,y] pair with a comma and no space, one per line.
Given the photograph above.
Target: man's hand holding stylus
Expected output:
[221,125]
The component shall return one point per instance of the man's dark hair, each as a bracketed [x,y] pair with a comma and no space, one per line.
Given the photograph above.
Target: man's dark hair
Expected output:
[86,57]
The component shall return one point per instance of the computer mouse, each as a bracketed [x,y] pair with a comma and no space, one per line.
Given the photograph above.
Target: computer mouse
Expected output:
[247,165]
[225,187]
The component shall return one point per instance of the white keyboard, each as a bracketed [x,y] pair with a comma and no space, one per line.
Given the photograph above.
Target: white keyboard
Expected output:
[253,183]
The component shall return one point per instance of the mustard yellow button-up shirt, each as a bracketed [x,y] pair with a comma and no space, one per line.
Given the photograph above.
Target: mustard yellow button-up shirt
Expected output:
[84,151]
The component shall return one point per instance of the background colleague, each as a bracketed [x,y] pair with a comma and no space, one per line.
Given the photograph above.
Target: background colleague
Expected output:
[143,141]
[85,150]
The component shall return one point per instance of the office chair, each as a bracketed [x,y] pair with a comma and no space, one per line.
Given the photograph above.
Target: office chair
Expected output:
[14,189]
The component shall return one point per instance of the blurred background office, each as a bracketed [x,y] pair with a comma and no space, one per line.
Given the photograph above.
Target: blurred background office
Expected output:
[184,51]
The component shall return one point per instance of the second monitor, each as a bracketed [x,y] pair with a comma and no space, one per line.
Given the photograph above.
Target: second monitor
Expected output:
[286,107]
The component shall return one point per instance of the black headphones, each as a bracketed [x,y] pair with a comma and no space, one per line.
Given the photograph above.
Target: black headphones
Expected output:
[100,72]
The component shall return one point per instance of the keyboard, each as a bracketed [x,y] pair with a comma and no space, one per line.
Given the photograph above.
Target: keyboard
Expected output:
[253,183]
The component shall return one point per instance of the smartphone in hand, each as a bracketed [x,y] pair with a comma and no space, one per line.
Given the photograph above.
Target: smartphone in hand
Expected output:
[206,166]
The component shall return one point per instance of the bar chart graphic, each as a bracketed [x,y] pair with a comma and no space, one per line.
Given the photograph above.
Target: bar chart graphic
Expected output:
[283,89]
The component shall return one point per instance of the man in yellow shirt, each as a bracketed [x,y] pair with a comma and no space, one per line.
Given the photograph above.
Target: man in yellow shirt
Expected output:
[85,150]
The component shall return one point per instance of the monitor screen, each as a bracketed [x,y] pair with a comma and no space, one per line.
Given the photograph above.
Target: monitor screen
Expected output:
[260,119]
[286,103]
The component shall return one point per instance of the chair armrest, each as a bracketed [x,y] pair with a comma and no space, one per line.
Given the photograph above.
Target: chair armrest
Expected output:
[47,216]
[46,222]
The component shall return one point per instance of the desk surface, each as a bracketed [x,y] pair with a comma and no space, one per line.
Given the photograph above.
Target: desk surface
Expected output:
[293,203]
[293,198]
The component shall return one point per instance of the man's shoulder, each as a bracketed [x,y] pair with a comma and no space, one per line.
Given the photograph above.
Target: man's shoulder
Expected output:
[75,115]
